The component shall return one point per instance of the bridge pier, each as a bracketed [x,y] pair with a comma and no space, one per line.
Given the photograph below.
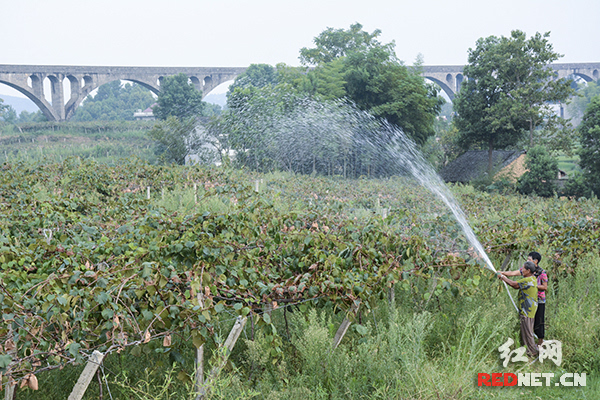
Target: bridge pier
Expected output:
[450,77]
[83,80]
[29,80]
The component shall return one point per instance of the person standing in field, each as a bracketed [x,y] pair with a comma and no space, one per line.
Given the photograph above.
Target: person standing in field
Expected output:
[539,323]
[528,295]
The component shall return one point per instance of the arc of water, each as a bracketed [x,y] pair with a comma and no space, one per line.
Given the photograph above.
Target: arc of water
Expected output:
[427,177]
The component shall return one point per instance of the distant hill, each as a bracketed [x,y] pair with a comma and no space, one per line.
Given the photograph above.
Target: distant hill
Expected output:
[19,103]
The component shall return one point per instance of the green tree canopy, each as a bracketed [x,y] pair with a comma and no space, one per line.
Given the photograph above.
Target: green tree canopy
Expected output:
[257,75]
[175,139]
[354,64]
[507,92]
[586,92]
[332,44]
[589,154]
[114,101]
[178,98]
[378,83]
[7,113]
[542,171]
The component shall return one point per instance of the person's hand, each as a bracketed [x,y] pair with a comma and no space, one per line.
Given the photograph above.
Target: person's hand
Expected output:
[499,275]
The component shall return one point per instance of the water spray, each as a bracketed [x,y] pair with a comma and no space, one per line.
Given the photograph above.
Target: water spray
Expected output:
[310,126]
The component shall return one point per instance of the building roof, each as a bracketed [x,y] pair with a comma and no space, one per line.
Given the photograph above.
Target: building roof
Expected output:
[473,164]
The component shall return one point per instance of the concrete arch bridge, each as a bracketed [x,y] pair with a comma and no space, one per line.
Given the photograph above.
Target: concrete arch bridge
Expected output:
[450,77]
[29,80]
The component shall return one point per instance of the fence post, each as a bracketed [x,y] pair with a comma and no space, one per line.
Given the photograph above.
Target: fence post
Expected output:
[339,335]
[86,376]
[234,334]
[11,349]
[200,355]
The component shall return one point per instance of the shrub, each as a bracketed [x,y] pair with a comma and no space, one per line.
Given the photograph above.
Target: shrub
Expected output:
[542,171]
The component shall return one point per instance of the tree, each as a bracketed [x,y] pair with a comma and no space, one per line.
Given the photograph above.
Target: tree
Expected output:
[176,139]
[508,90]
[376,82]
[585,93]
[332,44]
[7,113]
[37,116]
[354,64]
[178,98]
[542,171]
[589,153]
[257,75]
[114,102]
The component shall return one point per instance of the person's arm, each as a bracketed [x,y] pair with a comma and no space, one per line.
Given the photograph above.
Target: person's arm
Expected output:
[543,286]
[509,282]
[511,273]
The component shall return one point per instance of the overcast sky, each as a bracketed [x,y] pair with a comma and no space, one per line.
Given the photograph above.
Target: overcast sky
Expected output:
[236,33]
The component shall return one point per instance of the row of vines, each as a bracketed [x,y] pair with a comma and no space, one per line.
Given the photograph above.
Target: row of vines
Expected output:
[89,261]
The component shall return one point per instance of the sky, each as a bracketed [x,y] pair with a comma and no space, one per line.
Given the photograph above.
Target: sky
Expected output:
[237,33]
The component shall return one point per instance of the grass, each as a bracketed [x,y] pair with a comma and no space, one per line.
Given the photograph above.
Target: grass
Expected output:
[51,146]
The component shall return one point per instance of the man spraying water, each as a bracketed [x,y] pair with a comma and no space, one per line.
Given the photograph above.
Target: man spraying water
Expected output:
[528,304]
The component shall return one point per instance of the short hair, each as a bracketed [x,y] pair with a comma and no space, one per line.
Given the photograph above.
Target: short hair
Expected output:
[535,256]
[530,266]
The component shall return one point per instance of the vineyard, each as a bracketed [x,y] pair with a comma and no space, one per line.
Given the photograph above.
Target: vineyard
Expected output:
[121,259]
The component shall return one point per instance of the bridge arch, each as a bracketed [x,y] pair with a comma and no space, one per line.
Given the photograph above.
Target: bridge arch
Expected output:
[40,102]
[80,81]
[443,85]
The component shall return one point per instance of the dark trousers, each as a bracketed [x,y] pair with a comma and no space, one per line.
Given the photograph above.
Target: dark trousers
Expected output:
[538,322]
[527,335]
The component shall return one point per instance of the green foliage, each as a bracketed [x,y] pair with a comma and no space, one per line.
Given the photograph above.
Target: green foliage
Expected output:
[105,141]
[585,93]
[376,82]
[589,153]
[332,44]
[355,64]
[175,139]
[7,113]
[256,75]
[577,186]
[37,116]
[114,102]
[88,262]
[541,174]
[507,92]
[273,128]
[178,98]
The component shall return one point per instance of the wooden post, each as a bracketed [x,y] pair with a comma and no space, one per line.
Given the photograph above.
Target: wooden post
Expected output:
[9,393]
[234,334]
[86,376]
[339,335]
[200,355]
